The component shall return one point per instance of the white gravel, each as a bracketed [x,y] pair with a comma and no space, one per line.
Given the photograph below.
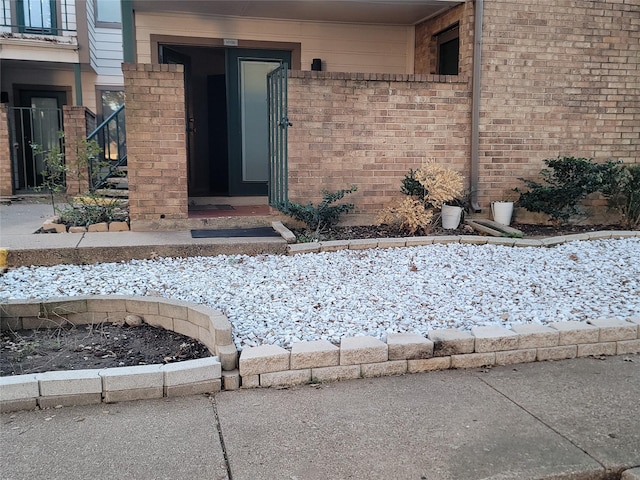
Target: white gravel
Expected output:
[282,300]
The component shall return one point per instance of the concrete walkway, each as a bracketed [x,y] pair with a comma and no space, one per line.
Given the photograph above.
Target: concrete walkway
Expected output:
[575,419]
[19,221]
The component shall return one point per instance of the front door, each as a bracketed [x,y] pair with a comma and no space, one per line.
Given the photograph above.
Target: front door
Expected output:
[38,122]
[248,122]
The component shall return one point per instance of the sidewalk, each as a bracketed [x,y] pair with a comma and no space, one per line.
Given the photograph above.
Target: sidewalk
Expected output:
[575,419]
[19,221]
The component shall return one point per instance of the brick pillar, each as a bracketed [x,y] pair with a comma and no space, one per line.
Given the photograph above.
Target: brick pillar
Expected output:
[6,177]
[156,143]
[75,128]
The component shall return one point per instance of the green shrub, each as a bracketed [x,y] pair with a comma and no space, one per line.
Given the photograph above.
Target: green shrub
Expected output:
[411,185]
[88,210]
[565,183]
[622,191]
[322,216]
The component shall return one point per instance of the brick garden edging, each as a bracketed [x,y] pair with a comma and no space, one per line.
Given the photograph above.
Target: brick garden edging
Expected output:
[360,244]
[82,387]
[364,356]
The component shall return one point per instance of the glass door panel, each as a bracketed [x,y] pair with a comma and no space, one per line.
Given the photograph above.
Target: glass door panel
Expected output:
[254,117]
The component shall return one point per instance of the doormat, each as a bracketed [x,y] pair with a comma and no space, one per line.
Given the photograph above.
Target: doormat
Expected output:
[235,232]
[199,208]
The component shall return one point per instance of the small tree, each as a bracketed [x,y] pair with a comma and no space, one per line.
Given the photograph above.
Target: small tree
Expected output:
[56,169]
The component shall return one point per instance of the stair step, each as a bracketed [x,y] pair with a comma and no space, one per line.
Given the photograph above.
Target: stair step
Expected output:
[118,182]
[113,192]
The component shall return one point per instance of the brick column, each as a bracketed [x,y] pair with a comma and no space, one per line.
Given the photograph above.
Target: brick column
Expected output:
[75,128]
[6,177]
[156,142]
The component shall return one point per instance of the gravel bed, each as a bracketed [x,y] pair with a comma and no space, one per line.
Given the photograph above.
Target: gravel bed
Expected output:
[280,300]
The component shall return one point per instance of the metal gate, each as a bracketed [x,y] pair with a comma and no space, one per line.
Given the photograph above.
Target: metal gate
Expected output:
[29,127]
[278,125]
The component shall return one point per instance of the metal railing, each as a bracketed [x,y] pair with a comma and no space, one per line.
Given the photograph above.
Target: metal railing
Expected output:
[111,136]
[38,17]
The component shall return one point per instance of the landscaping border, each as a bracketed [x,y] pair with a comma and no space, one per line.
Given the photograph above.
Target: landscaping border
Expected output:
[81,387]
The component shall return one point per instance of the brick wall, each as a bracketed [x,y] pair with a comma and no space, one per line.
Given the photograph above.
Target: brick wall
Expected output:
[559,78]
[156,149]
[6,186]
[75,128]
[370,129]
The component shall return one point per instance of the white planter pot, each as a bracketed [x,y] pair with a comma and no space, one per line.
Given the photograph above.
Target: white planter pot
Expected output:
[451,217]
[502,212]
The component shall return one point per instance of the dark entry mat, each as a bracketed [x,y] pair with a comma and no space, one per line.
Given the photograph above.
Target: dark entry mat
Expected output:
[235,232]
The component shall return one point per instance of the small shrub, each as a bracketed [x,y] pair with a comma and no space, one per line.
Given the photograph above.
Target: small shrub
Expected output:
[85,211]
[565,183]
[622,191]
[412,187]
[322,216]
[428,188]
[441,184]
[410,215]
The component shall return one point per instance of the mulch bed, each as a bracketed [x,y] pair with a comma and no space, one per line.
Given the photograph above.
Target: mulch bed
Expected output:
[384,231]
[100,346]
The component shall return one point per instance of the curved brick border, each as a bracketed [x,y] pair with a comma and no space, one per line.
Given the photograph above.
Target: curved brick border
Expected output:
[81,387]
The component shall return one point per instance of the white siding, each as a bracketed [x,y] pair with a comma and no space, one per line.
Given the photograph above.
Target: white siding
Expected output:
[342,47]
[108,52]
[105,51]
[91,24]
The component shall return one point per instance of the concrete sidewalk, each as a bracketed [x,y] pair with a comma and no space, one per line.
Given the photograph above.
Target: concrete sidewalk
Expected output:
[19,221]
[575,419]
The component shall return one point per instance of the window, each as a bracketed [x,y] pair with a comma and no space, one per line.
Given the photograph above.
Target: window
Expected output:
[112,139]
[448,48]
[110,101]
[108,12]
[37,16]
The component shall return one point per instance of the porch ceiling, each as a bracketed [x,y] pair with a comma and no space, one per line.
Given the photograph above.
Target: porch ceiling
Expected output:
[387,12]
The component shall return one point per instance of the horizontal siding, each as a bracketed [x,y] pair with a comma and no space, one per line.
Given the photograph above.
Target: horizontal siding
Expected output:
[109,55]
[342,47]
[92,35]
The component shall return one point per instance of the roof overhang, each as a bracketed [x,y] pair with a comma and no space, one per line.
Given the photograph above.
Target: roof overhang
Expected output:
[381,12]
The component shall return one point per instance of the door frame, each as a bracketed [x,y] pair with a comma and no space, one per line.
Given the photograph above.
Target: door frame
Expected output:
[295,48]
